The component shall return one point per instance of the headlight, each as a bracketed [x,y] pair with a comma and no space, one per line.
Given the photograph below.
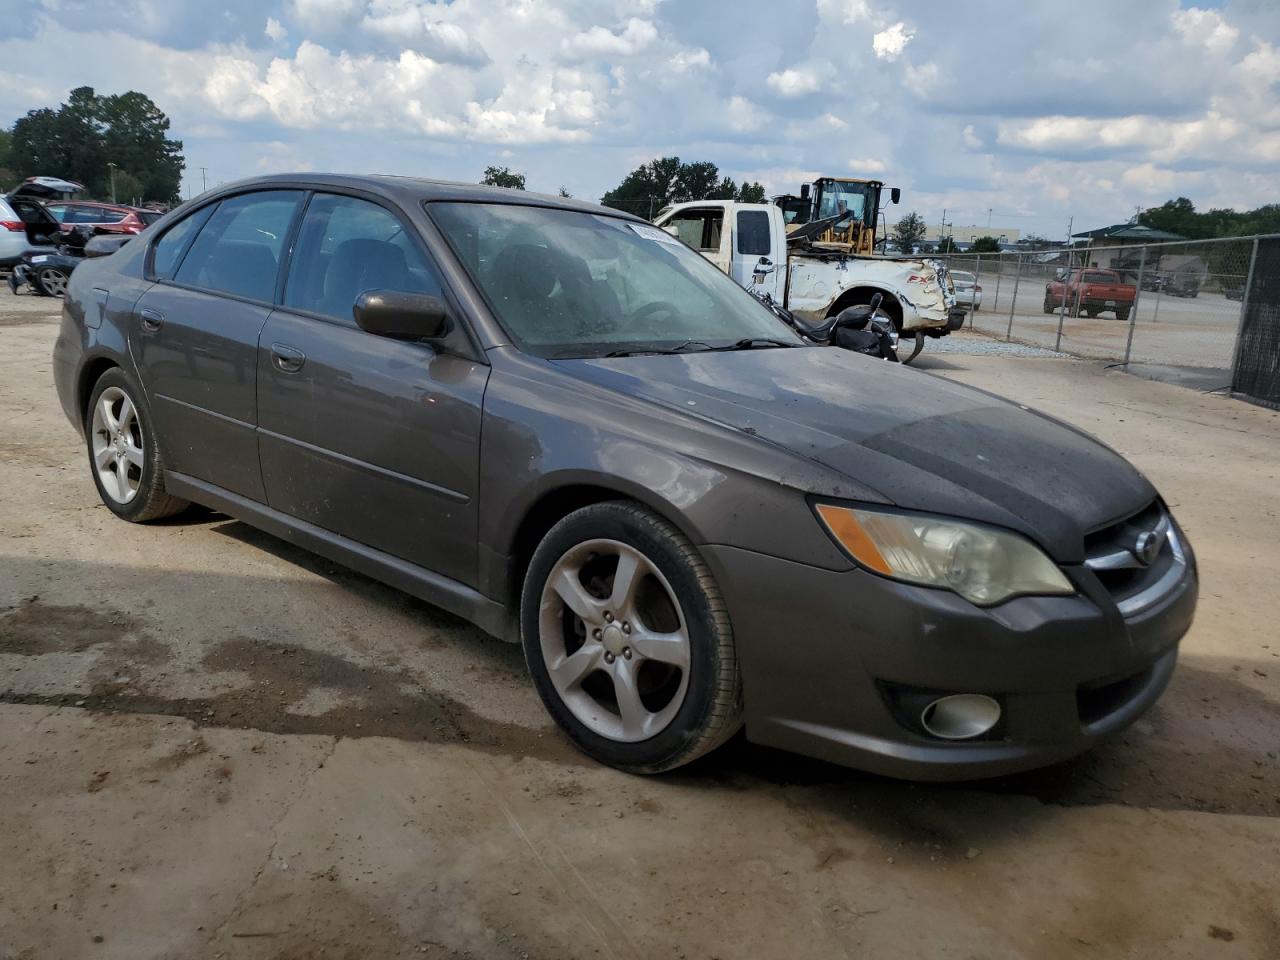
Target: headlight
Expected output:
[984,565]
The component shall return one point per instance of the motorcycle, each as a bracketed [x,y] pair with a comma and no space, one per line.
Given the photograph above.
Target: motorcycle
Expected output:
[863,328]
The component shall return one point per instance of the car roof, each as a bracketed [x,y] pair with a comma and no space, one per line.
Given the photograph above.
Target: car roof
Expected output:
[410,190]
[89,203]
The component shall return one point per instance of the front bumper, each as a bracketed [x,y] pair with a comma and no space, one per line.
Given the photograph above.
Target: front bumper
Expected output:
[833,662]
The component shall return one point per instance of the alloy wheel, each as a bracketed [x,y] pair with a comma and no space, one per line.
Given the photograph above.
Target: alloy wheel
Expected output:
[614,640]
[54,282]
[117,445]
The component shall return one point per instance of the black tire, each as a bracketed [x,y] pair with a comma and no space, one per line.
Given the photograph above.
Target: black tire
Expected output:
[151,501]
[1123,314]
[1092,314]
[1048,307]
[52,281]
[711,711]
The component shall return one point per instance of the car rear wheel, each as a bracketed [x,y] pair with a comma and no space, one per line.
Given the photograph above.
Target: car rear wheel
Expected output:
[52,281]
[628,640]
[1048,305]
[124,457]
[1123,314]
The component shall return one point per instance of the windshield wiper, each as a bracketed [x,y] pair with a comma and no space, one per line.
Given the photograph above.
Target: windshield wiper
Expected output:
[755,343]
[648,351]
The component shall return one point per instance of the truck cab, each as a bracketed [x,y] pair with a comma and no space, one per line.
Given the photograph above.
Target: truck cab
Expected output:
[735,237]
[755,245]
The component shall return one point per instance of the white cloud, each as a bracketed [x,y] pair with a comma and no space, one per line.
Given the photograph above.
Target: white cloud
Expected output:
[795,81]
[844,11]
[275,30]
[413,26]
[686,60]
[922,79]
[635,37]
[1205,27]
[971,138]
[1151,179]
[889,43]
[865,165]
[326,14]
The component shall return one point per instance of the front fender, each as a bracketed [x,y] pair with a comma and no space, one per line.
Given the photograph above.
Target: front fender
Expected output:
[546,433]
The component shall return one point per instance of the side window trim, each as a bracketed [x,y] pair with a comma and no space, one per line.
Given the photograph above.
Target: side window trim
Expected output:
[304,192]
[291,241]
[150,271]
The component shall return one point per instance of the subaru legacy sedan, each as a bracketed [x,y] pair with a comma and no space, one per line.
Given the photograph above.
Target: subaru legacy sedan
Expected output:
[560,423]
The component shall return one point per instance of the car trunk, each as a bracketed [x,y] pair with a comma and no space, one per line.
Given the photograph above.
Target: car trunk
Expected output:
[42,229]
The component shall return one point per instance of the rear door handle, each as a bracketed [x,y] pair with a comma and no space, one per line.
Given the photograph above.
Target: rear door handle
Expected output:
[286,359]
[152,320]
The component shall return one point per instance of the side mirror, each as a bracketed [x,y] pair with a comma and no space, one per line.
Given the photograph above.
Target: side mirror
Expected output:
[671,229]
[764,266]
[895,194]
[400,316]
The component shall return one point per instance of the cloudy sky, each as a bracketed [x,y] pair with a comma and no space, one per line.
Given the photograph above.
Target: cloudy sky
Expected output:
[1034,112]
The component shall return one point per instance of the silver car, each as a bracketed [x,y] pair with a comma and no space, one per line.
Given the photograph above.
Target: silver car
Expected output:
[23,228]
[968,291]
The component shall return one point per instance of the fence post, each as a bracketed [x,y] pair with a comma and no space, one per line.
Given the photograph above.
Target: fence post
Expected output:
[1062,307]
[1017,278]
[995,301]
[1244,305]
[1133,311]
[977,278]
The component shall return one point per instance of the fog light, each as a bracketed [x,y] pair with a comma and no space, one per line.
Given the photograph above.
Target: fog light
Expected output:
[960,716]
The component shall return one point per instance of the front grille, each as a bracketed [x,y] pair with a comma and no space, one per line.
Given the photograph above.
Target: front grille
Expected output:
[1136,579]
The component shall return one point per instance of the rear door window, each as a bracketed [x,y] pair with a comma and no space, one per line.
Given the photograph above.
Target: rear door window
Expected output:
[238,249]
[753,232]
[168,249]
[347,246]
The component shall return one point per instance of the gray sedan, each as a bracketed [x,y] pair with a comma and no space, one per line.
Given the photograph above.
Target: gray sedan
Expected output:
[564,425]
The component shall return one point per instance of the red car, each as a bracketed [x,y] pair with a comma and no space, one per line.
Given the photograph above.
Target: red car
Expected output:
[103,217]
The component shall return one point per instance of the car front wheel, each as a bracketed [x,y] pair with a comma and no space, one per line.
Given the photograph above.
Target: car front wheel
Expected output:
[628,639]
[123,454]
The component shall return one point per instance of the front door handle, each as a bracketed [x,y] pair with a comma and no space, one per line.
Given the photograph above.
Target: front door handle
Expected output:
[152,320]
[286,359]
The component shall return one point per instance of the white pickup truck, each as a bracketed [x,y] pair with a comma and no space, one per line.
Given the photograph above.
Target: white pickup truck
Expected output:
[750,242]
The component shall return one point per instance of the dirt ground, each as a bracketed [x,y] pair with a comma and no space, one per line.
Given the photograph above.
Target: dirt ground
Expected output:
[215,745]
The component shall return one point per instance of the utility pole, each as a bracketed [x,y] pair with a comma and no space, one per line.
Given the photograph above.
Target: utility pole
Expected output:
[112,168]
[204,183]
[988,219]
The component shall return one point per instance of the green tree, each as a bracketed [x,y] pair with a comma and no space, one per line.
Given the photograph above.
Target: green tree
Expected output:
[1181,217]
[89,133]
[985,245]
[503,177]
[947,245]
[565,193]
[908,232]
[7,177]
[650,187]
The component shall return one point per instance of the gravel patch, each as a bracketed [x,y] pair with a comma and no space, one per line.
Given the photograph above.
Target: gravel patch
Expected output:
[978,345]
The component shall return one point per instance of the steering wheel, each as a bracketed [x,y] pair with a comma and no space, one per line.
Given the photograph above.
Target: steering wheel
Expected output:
[654,306]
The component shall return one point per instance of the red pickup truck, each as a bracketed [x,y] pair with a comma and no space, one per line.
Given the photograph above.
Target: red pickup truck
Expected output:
[1091,292]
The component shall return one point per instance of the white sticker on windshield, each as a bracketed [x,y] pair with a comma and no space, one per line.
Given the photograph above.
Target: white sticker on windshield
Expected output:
[652,233]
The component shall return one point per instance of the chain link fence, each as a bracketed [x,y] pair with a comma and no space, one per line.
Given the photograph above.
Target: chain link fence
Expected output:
[1176,304]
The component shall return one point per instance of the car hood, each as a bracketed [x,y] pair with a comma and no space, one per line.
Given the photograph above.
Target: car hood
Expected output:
[922,442]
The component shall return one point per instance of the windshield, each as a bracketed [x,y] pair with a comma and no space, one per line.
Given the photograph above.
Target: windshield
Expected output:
[837,197]
[961,276]
[569,284]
